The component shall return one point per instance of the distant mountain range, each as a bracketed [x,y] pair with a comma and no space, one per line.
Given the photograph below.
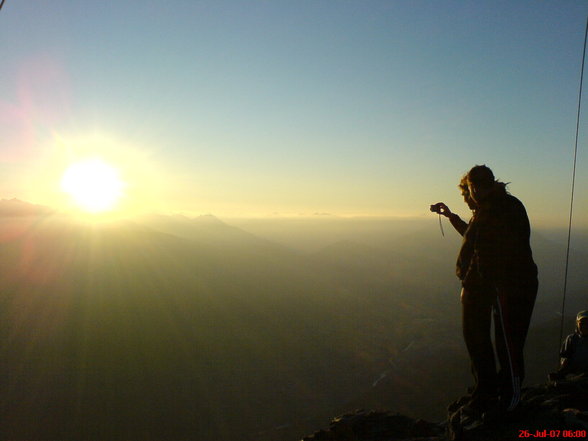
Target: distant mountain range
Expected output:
[168,327]
[16,207]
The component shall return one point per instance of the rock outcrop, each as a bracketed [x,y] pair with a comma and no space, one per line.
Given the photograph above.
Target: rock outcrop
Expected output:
[555,410]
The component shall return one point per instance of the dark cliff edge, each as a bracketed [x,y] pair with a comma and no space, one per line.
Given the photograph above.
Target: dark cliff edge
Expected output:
[555,410]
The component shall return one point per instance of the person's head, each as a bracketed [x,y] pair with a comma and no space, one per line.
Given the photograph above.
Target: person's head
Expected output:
[465,192]
[480,181]
[582,322]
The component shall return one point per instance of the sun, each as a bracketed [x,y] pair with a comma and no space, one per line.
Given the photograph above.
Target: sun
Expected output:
[94,185]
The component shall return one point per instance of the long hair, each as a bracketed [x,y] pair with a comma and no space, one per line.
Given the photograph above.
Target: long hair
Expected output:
[482,176]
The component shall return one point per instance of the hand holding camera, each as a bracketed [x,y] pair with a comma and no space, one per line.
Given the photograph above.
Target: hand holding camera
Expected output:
[441,208]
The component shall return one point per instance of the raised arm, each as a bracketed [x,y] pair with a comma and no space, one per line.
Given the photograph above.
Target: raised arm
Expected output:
[459,225]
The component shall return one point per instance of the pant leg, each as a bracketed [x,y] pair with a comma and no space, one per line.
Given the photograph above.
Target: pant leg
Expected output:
[512,316]
[476,323]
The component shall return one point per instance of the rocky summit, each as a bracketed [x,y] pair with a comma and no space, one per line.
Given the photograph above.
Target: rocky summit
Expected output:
[555,410]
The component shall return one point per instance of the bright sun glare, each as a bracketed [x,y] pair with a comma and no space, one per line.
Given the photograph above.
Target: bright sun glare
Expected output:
[93,184]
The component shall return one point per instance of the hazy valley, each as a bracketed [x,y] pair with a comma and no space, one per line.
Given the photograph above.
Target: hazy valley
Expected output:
[175,328]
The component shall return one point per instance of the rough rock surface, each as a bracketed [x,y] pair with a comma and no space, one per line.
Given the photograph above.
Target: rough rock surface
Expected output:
[556,410]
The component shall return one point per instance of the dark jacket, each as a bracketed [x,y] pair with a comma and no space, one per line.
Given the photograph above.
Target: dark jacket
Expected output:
[575,350]
[496,249]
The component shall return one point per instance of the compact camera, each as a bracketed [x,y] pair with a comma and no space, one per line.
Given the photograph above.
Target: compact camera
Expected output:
[436,208]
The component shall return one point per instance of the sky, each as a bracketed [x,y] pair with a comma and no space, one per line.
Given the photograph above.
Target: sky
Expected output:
[295,108]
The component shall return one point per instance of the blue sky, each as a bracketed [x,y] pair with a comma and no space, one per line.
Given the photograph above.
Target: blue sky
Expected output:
[241,108]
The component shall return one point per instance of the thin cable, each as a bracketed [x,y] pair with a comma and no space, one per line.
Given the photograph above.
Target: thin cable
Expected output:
[563,304]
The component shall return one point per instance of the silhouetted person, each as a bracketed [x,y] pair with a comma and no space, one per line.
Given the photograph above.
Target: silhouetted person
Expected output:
[499,278]
[574,351]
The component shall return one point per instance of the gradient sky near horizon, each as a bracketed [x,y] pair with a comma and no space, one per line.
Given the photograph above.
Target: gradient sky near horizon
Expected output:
[255,108]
